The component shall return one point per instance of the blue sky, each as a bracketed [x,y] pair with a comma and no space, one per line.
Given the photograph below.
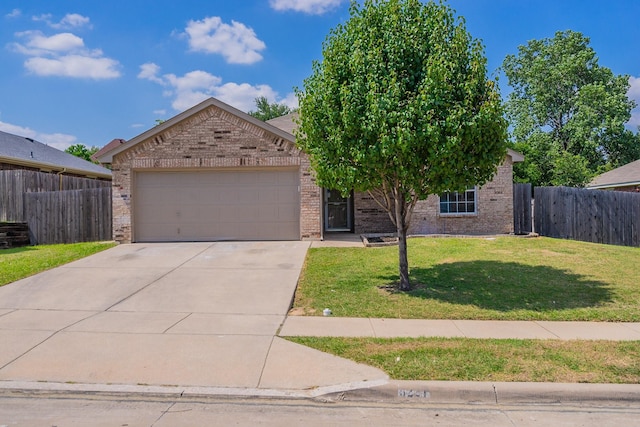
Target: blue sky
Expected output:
[78,71]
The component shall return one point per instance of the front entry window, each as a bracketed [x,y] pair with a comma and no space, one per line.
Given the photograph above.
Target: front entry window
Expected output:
[455,203]
[337,211]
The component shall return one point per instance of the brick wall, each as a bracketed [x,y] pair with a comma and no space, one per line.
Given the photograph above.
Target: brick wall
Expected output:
[369,217]
[211,138]
[494,205]
[494,216]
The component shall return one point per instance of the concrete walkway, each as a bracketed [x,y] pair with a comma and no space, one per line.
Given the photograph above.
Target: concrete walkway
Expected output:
[413,328]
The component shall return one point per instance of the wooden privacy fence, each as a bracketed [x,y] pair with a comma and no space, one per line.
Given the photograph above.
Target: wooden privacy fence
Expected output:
[57,208]
[611,217]
[14,183]
[522,219]
[69,216]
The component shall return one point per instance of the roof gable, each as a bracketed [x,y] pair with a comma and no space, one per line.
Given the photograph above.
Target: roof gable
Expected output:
[177,124]
[18,150]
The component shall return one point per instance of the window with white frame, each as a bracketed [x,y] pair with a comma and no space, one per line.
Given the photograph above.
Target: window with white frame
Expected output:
[459,203]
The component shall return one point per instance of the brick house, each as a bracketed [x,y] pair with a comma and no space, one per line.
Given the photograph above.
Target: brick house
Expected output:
[216,173]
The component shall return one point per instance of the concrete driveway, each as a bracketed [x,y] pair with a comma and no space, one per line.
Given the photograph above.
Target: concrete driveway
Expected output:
[187,314]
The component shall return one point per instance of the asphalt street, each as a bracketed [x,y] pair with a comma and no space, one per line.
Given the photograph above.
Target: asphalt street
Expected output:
[63,410]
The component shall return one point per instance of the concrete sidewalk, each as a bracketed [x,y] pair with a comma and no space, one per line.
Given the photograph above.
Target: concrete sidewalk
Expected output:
[413,328]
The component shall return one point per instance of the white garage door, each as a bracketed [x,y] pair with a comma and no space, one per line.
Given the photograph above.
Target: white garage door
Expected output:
[216,205]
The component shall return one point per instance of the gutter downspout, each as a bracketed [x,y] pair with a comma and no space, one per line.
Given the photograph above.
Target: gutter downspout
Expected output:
[60,175]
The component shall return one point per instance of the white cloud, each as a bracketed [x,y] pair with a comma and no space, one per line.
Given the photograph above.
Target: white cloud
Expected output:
[634,93]
[39,44]
[64,54]
[70,20]
[237,43]
[149,71]
[242,96]
[291,100]
[196,86]
[77,66]
[60,141]
[74,20]
[14,13]
[312,7]
[634,89]
[160,112]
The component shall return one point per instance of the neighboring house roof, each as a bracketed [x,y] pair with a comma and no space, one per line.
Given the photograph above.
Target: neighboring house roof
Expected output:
[110,146]
[288,124]
[623,176]
[18,150]
[107,156]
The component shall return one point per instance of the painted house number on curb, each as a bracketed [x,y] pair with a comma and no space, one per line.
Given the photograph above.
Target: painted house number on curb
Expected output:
[420,394]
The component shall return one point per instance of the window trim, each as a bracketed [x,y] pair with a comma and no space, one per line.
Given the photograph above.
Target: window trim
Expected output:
[473,189]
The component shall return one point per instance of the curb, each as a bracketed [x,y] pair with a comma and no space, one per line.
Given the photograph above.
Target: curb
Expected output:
[397,392]
[490,393]
[177,392]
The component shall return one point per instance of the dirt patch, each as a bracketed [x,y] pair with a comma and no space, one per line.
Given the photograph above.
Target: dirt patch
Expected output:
[301,311]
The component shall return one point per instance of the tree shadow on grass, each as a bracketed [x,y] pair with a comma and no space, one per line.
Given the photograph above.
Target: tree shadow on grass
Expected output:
[507,286]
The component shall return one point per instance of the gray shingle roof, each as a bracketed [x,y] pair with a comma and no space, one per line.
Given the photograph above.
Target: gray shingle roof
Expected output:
[19,150]
[286,123]
[623,176]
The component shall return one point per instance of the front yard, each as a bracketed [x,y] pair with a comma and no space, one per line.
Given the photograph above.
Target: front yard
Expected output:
[504,278]
[463,359]
[18,263]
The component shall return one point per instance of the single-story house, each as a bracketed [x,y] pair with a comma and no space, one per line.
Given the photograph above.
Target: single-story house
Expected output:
[18,152]
[624,178]
[213,172]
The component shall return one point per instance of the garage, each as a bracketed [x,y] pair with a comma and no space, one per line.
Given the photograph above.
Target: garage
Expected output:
[212,173]
[209,205]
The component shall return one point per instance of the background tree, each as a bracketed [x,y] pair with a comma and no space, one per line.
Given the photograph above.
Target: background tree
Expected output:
[568,113]
[265,111]
[82,151]
[400,106]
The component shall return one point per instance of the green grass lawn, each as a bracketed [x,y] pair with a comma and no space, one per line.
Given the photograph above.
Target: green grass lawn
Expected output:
[460,359]
[18,263]
[505,278]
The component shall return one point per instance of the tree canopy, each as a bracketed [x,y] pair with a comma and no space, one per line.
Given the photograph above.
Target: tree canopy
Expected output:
[567,112]
[266,111]
[82,151]
[401,106]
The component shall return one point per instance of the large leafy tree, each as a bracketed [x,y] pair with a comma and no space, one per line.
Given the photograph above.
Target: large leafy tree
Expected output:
[266,111]
[82,151]
[400,106]
[567,112]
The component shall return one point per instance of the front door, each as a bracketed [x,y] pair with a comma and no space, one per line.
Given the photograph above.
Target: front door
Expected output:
[338,211]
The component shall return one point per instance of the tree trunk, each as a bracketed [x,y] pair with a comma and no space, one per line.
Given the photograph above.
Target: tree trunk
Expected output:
[401,226]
